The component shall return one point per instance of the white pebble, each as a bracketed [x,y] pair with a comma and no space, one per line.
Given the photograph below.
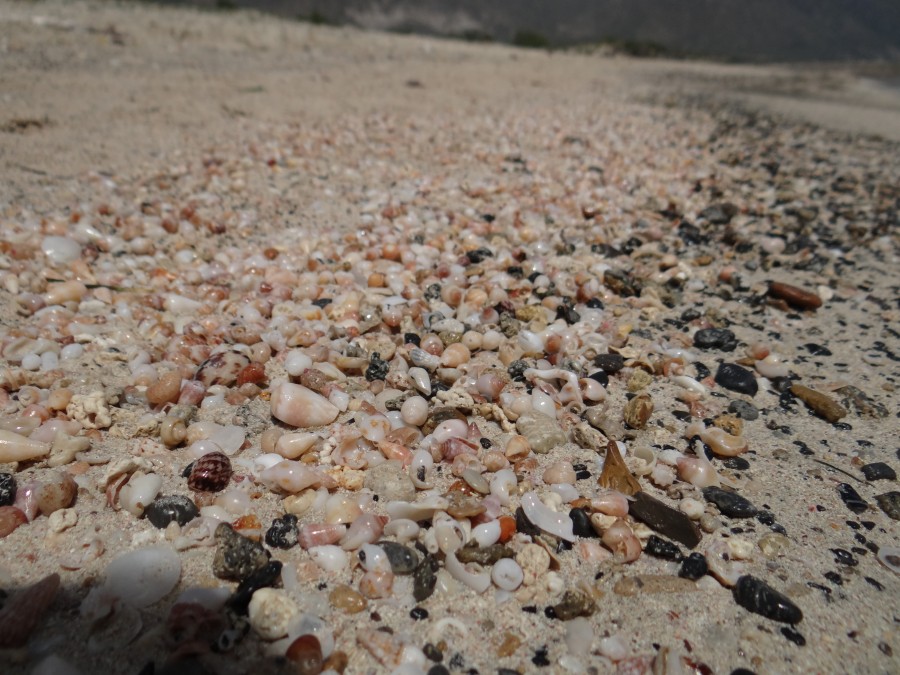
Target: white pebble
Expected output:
[296,362]
[72,351]
[330,558]
[31,361]
[61,250]
[414,411]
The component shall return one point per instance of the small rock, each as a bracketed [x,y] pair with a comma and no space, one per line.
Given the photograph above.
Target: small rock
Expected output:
[662,518]
[794,296]
[693,567]
[730,504]
[640,379]
[638,411]
[719,214]
[236,557]
[390,482]
[484,556]
[572,605]
[164,510]
[425,578]
[855,399]
[284,532]
[306,654]
[265,577]
[609,363]
[851,498]
[542,431]
[878,471]
[737,378]
[7,489]
[821,404]
[889,502]
[378,368]
[715,338]
[758,597]
[660,548]
[581,524]
[403,559]
[347,600]
[10,519]
[744,410]
[270,612]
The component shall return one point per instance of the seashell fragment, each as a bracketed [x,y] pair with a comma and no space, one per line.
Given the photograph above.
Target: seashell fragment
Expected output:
[17,448]
[143,577]
[557,524]
[298,406]
[615,474]
[222,368]
[21,615]
[821,404]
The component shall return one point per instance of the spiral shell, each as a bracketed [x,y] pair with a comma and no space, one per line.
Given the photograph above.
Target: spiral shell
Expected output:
[210,473]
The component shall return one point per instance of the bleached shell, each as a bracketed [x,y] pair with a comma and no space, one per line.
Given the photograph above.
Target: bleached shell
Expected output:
[557,524]
[293,445]
[507,574]
[478,582]
[298,406]
[292,477]
[270,613]
[422,510]
[142,577]
[16,448]
[137,494]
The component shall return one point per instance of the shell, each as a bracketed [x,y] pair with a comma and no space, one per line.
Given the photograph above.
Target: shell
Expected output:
[21,615]
[210,473]
[140,490]
[144,576]
[58,492]
[222,368]
[298,406]
[557,524]
[16,448]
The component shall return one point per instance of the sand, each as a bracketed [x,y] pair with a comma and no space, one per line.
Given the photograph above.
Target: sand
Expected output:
[99,92]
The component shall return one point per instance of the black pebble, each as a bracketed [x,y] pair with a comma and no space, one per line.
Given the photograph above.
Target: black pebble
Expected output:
[715,338]
[744,410]
[851,498]
[758,597]
[595,303]
[540,657]
[742,671]
[485,442]
[322,302]
[432,653]
[878,471]
[693,567]
[601,377]
[418,613]
[284,532]
[842,557]
[581,524]
[702,370]
[425,578]
[582,475]
[730,504]
[378,368]
[568,314]
[834,578]
[524,525]
[479,254]
[737,378]
[889,503]
[164,510]
[403,560]
[438,670]
[412,338]
[609,363]
[874,584]
[817,350]
[736,463]
[793,635]
[660,548]
[7,489]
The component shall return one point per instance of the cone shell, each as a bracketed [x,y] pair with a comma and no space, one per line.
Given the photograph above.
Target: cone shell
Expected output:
[298,406]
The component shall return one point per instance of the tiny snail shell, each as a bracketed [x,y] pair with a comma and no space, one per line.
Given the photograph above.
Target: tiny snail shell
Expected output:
[210,473]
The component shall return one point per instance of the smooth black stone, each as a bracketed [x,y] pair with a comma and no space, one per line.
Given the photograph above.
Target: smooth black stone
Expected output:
[595,303]
[601,377]
[284,532]
[742,671]
[878,471]
[766,517]
[889,502]
[842,557]
[164,510]
[851,498]
[479,254]
[817,350]
[715,338]
[609,363]
[877,585]
[758,597]
[736,463]
[690,314]
[439,669]
[730,504]
[581,524]
[485,442]
[719,214]
[7,489]
[664,519]
[412,338]
[702,370]
[568,314]
[793,635]
[432,653]
[744,410]
[418,613]
[266,576]
[524,525]
[693,567]
[425,578]
[322,302]
[660,548]
[737,378]
[403,559]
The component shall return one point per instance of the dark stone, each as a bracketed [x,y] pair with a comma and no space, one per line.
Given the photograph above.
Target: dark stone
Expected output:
[664,519]
[758,597]
[284,532]
[163,510]
[730,504]
[719,214]
[622,283]
[425,578]
[793,635]
[878,471]
[817,350]
[609,363]
[889,502]
[472,553]
[266,576]
[744,410]
[524,525]
[485,442]
[737,378]
[693,567]
[660,548]
[702,370]
[432,653]
[7,489]
[715,338]
[237,557]
[736,463]
[573,604]
[568,314]
[412,338]
[418,613]
[594,303]
[852,499]
[479,254]
[439,669]
[601,377]
[517,369]
[403,559]
[742,671]
[842,557]
[433,292]
[322,302]
[581,524]
[378,368]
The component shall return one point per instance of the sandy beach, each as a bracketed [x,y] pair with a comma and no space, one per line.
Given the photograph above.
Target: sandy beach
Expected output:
[203,214]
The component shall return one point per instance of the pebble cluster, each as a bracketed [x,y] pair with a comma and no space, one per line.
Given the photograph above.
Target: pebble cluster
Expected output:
[545,363]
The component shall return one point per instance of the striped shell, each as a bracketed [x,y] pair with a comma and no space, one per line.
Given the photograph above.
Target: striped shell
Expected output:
[210,473]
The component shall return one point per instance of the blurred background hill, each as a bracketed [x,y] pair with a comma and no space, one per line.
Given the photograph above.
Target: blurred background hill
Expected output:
[745,30]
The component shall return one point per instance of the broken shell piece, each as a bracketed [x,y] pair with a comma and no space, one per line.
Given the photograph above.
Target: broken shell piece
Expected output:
[615,474]
[298,406]
[620,539]
[478,582]
[17,448]
[698,471]
[553,522]
[643,460]
[142,577]
[294,445]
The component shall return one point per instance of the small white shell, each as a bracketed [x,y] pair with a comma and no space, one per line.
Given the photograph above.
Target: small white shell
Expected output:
[330,557]
[557,524]
[140,490]
[143,577]
[478,582]
[507,574]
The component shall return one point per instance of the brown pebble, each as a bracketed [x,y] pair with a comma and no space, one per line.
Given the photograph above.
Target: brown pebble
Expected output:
[21,615]
[10,518]
[254,373]
[615,474]
[794,296]
[165,390]
[58,492]
[733,424]
[306,654]
[337,662]
[821,404]
[347,600]
[511,642]
[638,410]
